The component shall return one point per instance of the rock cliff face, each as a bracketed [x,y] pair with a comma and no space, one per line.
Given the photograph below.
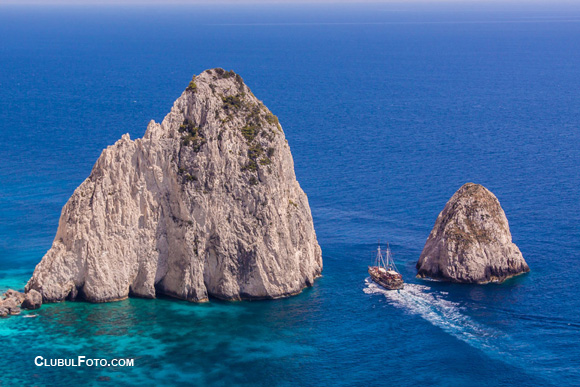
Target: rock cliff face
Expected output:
[205,204]
[471,241]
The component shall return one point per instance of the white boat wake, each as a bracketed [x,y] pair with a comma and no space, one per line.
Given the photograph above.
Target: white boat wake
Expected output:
[449,316]
[431,306]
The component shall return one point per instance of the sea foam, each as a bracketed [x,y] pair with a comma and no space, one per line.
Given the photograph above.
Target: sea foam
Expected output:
[452,318]
[442,313]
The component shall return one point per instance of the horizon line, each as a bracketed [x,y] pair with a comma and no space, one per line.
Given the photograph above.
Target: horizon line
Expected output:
[78,3]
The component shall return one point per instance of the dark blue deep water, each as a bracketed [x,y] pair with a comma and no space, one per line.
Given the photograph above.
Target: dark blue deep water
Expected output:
[388,110]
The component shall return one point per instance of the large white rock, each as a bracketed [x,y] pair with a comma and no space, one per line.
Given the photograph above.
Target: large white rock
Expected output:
[471,241]
[188,212]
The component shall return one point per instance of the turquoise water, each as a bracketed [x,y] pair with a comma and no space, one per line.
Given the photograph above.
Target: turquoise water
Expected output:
[388,110]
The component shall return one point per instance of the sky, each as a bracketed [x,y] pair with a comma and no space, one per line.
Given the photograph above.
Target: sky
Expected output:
[185,2]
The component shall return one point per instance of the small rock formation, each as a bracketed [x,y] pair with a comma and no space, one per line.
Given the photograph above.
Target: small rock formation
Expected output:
[14,300]
[471,241]
[205,204]
[11,293]
[32,300]
[11,303]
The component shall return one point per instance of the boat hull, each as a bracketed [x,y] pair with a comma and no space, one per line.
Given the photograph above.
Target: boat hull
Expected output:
[386,281]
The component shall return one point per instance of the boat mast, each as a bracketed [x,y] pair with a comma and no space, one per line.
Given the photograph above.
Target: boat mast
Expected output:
[390,262]
[379,261]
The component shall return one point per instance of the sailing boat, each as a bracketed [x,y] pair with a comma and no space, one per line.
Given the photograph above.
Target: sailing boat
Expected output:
[384,272]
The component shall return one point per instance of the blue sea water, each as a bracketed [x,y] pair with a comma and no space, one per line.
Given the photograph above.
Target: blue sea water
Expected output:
[388,109]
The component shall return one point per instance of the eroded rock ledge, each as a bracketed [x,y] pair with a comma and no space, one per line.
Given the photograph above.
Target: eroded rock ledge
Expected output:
[205,204]
[471,241]
[14,301]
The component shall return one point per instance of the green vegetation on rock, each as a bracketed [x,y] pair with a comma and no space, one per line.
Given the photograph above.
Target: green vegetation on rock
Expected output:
[250,132]
[192,85]
[192,135]
[233,102]
[257,127]
[188,177]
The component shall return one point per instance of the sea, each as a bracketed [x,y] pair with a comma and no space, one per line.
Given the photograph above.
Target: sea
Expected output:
[388,109]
